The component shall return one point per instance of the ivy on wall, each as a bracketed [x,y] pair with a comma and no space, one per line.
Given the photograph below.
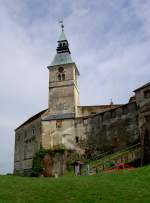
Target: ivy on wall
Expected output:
[37,166]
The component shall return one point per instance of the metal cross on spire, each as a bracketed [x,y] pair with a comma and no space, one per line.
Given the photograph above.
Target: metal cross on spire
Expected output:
[62,25]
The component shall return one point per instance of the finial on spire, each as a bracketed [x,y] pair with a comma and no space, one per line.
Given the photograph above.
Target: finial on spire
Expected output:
[62,25]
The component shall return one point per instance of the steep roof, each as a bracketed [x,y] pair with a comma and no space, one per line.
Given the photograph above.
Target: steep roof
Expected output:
[61,58]
[32,118]
[142,87]
[62,37]
[109,110]
[63,55]
[59,116]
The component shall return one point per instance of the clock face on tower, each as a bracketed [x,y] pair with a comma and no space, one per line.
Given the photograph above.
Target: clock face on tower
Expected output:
[60,69]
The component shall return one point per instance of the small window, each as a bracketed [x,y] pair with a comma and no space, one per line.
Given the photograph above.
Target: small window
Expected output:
[25,134]
[77,139]
[59,77]
[59,124]
[147,94]
[93,112]
[33,131]
[85,121]
[63,76]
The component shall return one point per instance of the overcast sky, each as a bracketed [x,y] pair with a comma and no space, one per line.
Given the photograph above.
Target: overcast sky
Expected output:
[109,41]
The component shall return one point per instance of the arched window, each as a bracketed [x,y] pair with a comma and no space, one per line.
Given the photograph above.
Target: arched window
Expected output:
[61,74]
[60,45]
[59,77]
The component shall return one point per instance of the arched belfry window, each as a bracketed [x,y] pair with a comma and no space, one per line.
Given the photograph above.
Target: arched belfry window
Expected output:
[60,45]
[59,77]
[61,74]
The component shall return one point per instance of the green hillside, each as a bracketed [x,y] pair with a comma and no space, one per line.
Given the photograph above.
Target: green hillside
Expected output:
[133,186]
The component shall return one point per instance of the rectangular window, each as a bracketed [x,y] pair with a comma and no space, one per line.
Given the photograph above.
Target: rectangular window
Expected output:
[93,112]
[147,94]
[85,121]
[25,134]
[77,139]
[33,131]
[58,123]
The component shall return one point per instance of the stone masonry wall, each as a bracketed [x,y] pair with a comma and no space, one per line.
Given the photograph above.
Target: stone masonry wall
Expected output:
[63,94]
[91,110]
[143,102]
[27,143]
[105,132]
[56,133]
[113,130]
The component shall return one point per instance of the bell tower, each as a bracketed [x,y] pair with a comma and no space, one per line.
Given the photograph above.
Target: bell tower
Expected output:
[63,85]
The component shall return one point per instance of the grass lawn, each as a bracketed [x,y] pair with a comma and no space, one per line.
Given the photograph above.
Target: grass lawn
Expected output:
[133,186]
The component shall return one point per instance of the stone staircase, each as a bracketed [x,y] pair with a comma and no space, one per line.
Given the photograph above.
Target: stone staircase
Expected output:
[126,155]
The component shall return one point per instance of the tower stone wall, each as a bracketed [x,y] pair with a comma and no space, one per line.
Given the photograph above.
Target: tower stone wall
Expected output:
[64,93]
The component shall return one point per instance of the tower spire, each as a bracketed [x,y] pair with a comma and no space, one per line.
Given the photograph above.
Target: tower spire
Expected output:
[62,25]
[63,45]
[63,55]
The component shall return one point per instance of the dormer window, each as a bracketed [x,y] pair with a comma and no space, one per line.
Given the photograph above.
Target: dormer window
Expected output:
[61,74]
[58,123]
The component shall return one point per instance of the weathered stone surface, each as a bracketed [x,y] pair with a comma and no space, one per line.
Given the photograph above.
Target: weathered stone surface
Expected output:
[86,130]
[113,130]
[27,142]
[63,94]
[143,103]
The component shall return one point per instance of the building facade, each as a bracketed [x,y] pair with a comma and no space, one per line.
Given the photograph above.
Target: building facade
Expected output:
[87,130]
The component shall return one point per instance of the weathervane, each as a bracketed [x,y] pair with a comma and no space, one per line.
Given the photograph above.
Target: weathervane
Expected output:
[62,26]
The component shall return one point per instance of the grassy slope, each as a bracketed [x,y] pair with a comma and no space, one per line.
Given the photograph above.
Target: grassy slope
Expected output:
[123,187]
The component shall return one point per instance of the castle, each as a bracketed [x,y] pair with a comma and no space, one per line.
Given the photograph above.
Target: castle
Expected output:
[87,130]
